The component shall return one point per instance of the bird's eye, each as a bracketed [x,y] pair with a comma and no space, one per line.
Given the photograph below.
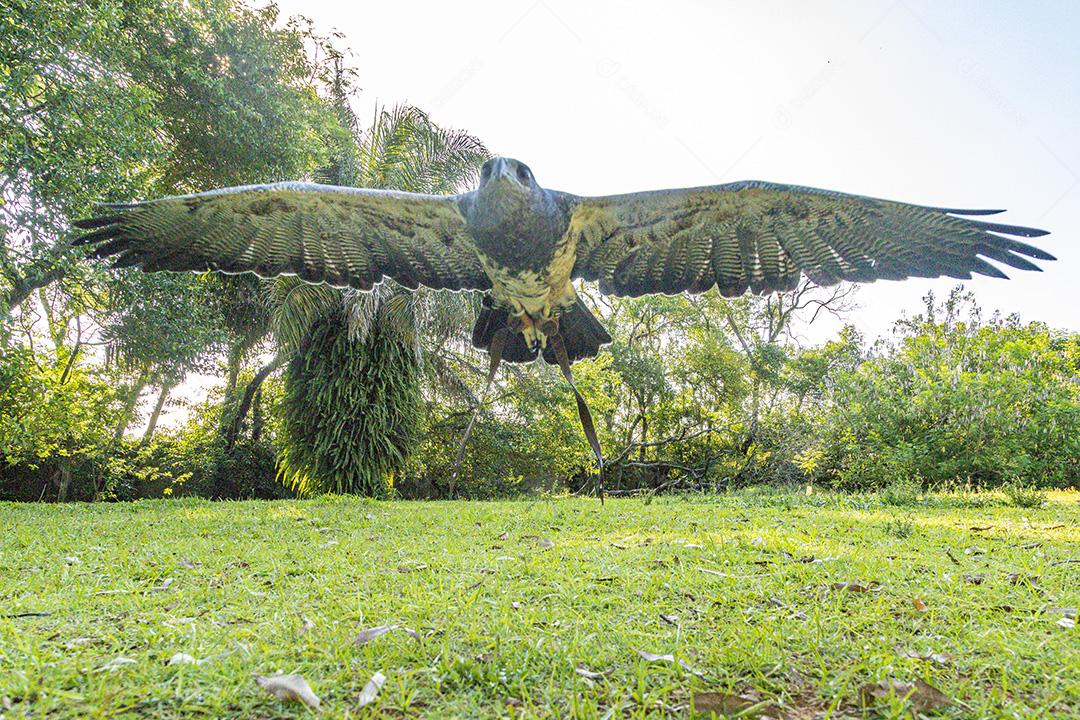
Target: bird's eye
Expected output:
[523,173]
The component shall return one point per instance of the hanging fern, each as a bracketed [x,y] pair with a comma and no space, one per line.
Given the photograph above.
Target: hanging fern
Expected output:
[351,408]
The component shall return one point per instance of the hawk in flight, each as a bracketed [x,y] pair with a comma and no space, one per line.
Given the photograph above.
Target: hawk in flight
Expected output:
[523,245]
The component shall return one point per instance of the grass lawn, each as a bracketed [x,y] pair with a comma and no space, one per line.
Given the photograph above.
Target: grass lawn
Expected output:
[745,593]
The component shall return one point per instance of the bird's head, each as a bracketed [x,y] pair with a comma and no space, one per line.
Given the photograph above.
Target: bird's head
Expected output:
[509,203]
[507,177]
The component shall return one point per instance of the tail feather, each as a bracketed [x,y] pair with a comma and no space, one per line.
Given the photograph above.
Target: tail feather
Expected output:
[582,334]
[488,322]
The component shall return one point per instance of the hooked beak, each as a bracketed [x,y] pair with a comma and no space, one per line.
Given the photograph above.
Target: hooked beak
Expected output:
[502,171]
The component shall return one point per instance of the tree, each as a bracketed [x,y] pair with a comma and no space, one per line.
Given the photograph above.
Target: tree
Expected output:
[103,101]
[361,354]
[954,398]
[200,82]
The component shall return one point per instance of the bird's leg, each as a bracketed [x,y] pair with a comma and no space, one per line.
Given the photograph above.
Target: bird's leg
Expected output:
[495,350]
[549,327]
[584,415]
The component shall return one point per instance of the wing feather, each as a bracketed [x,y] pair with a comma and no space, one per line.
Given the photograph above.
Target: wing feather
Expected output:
[346,237]
[764,236]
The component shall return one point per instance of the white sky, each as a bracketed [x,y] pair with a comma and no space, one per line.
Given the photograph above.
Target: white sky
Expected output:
[958,104]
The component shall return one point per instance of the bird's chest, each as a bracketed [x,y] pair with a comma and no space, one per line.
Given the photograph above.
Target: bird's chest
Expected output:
[541,290]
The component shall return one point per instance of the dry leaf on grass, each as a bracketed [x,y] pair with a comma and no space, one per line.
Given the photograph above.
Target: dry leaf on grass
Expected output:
[1016,578]
[589,674]
[939,658]
[371,690]
[291,688]
[504,536]
[1066,622]
[858,587]
[745,705]
[365,636]
[972,578]
[1069,612]
[117,663]
[922,695]
[546,544]
[669,658]
[918,604]
[182,659]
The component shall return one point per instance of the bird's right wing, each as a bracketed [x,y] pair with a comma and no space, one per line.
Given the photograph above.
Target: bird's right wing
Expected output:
[346,237]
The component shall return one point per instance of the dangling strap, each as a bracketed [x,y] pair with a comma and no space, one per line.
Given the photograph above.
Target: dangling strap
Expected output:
[559,347]
[495,351]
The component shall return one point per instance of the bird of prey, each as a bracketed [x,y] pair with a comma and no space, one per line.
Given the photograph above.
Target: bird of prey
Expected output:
[523,245]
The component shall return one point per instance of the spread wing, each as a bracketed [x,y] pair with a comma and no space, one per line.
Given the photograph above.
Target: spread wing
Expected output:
[762,236]
[322,233]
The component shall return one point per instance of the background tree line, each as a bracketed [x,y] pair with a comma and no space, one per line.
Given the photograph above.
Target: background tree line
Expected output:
[329,390]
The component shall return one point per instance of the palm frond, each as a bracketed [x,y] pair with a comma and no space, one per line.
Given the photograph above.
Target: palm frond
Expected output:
[296,306]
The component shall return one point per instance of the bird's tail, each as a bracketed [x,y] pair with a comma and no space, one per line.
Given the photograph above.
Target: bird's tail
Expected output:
[582,334]
[490,321]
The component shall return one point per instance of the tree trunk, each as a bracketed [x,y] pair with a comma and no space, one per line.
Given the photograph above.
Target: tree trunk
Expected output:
[129,407]
[236,357]
[256,417]
[644,436]
[233,430]
[154,417]
[63,481]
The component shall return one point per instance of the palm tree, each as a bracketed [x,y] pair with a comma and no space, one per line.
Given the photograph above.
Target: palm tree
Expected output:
[351,408]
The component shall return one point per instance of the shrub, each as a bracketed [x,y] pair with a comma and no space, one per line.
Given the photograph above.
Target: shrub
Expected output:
[956,401]
[1024,496]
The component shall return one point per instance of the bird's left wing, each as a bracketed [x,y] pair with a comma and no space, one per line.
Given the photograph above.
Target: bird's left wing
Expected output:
[346,237]
[763,236]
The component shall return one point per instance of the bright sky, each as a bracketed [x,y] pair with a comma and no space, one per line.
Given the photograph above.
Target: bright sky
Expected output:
[959,104]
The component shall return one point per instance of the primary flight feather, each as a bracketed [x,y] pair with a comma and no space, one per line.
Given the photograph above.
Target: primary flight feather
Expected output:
[524,244]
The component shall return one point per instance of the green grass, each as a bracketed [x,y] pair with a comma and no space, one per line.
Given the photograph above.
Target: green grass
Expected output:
[745,581]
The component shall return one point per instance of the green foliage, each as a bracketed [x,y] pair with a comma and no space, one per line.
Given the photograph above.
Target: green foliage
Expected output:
[954,399]
[107,101]
[194,460]
[901,491]
[54,422]
[165,321]
[213,94]
[1024,496]
[349,410]
[50,409]
[366,354]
